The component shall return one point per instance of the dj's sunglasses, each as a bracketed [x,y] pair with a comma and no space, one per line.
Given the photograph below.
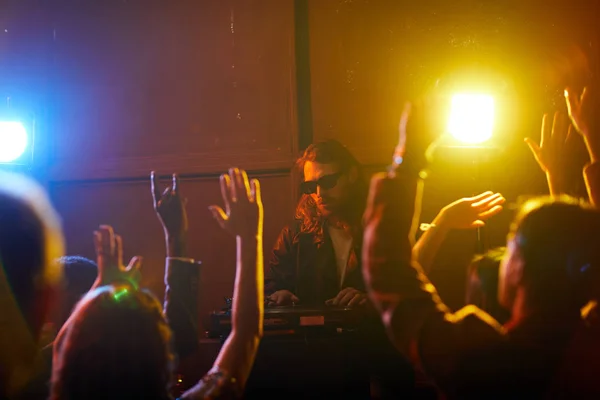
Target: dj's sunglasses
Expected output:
[325,182]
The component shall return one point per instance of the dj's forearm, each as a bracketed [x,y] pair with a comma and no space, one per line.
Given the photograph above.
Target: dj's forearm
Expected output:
[239,351]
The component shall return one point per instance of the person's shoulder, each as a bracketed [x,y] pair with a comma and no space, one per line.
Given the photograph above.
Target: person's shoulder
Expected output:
[475,325]
[461,348]
[471,314]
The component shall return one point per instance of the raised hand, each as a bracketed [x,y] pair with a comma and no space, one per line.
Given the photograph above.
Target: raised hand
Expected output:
[550,154]
[421,124]
[170,208]
[470,212]
[581,111]
[109,253]
[554,154]
[243,214]
[466,213]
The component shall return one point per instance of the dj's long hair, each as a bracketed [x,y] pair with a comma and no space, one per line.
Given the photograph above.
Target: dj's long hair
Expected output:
[307,213]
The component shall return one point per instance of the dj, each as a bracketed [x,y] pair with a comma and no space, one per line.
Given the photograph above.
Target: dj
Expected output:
[316,260]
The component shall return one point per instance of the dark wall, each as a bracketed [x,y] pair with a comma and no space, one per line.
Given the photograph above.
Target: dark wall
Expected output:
[123,87]
[192,87]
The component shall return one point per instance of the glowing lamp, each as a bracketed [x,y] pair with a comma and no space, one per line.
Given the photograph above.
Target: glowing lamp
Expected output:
[471,118]
[13,141]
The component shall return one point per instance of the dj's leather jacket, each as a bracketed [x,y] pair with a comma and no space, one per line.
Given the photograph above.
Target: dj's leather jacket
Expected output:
[305,264]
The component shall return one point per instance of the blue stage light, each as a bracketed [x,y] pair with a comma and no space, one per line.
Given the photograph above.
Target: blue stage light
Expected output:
[14,140]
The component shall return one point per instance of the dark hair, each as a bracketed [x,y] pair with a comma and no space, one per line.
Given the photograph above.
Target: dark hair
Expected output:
[30,238]
[482,288]
[22,252]
[80,273]
[558,242]
[331,152]
[115,345]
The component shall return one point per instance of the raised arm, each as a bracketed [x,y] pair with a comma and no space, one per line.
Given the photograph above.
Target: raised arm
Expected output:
[411,310]
[182,274]
[466,213]
[398,288]
[583,111]
[243,218]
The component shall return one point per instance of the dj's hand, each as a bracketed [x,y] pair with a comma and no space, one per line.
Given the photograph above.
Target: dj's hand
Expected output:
[348,297]
[282,298]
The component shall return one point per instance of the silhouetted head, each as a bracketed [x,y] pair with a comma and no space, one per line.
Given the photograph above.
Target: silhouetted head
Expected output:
[30,239]
[332,184]
[552,256]
[482,289]
[80,273]
[116,344]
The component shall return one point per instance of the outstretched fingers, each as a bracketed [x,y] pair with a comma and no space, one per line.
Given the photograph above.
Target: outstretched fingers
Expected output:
[535,150]
[488,207]
[98,243]
[490,213]
[219,215]
[578,107]
[245,186]
[154,188]
[226,192]
[107,239]
[488,200]
[481,196]
[175,187]
[574,101]
[118,250]
[234,183]
[255,192]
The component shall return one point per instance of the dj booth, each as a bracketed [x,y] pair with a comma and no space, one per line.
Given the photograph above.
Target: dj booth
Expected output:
[295,320]
[325,352]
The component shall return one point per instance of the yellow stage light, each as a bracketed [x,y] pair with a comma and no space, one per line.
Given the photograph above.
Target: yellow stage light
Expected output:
[471,117]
